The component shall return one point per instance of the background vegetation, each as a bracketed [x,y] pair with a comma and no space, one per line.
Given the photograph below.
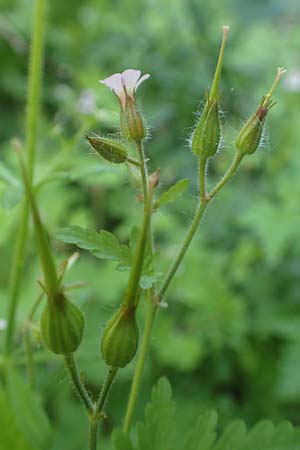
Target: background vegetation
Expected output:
[230,338]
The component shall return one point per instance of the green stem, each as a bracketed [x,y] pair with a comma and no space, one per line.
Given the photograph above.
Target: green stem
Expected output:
[202,178]
[230,172]
[79,386]
[112,371]
[33,103]
[147,192]
[183,249]
[99,407]
[203,202]
[93,435]
[47,260]
[136,382]
[137,265]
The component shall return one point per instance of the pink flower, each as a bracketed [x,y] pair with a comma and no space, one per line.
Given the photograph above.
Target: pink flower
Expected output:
[125,83]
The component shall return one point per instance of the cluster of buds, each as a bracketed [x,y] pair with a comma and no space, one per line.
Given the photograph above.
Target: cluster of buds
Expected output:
[120,338]
[206,137]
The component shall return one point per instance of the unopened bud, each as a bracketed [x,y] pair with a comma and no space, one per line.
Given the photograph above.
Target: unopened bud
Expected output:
[62,325]
[207,134]
[120,338]
[111,150]
[131,121]
[250,135]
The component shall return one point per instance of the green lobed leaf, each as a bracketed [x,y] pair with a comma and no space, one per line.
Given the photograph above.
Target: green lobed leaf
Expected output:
[232,436]
[102,244]
[156,432]
[204,434]
[173,192]
[121,441]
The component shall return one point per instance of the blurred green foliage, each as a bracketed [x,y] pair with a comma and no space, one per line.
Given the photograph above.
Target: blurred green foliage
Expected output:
[230,338]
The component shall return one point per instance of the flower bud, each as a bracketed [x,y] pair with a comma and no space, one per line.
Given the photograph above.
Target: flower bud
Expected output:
[250,135]
[62,325]
[131,121]
[207,134]
[109,149]
[120,338]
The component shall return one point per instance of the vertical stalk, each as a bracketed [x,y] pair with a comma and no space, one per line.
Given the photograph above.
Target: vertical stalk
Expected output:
[137,265]
[93,435]
[204,200]
[78,385]
[147,191]
[99,407]
[32,114]
[137,377]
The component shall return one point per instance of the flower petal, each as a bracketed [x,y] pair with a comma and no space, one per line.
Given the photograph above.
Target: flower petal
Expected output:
[129,80]
[114,82]
[143,78]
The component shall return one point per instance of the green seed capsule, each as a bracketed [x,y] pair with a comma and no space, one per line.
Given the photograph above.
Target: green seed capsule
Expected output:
[207,134]
[131,121]
[62,325]
[250,135]
[109,149]
[120,338]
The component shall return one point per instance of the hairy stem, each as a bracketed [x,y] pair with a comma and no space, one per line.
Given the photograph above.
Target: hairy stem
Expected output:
[204,199]
[99,407]
[33,104]
[136,382]
[134,390]
[79,386]
[137,266]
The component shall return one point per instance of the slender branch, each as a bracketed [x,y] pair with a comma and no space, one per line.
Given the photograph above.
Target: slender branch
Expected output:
[99,407]
[204,199]
[112,371]
[134,390]
[50,275]
[33,103]
[229,173]
[202,178]
[137,266]
[135,386]
[79,386]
